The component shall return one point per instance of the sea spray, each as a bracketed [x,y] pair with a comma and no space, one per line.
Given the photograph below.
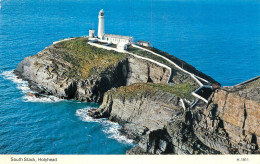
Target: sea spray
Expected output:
[109,128]
[24,88]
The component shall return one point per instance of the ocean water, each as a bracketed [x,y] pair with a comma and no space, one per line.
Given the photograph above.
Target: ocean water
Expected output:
[220,38]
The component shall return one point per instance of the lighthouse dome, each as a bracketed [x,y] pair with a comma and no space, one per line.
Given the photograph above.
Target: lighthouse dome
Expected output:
[101,12]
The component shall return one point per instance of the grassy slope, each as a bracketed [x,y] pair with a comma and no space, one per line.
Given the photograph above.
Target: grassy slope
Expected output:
[145,89]
[148,55]
[86,59]
[182,64]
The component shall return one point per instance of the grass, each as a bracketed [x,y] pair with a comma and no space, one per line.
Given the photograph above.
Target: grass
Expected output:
[149,89]
[181,63]
[148,55]
[112,45]
[86,59]
[101,43]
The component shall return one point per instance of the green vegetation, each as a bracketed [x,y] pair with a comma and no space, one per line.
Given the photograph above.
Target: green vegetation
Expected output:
[177,61]
[87,60]
[181,63]
[149,55]
[101,43]
[145,89]
[112,45]
[181,90]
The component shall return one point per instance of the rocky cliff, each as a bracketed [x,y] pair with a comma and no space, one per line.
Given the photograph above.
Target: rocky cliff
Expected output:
[73,69]
[228,124]
[163,118]
[143,107]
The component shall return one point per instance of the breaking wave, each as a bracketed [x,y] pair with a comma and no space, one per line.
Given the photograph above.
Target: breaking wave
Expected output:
[109,128]
[23,86]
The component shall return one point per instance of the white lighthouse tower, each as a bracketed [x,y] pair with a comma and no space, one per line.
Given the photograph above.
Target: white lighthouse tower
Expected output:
[101,28]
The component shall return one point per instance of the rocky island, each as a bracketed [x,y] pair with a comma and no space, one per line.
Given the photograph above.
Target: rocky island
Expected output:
[163,103]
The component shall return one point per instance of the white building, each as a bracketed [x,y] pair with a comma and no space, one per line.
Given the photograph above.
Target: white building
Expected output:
[143,43]
[119,40]
[115,39]
[101,27]
[92,33]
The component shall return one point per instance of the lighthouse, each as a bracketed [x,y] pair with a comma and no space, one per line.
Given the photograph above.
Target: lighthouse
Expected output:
[101,28]
[109,38]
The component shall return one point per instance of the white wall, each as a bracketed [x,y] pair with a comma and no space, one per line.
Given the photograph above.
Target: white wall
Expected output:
[117,40]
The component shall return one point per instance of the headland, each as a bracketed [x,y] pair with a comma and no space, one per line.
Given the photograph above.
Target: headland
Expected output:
[166,105]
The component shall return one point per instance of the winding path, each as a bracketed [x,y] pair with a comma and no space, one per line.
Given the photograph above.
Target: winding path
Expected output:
[193,76]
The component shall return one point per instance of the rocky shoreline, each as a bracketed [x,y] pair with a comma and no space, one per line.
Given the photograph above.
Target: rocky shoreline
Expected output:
[219,127]
[162,118]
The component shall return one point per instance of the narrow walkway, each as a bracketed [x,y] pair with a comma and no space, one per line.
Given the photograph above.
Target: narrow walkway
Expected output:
[63,40]
[168,60]
[195,77]
[137,56]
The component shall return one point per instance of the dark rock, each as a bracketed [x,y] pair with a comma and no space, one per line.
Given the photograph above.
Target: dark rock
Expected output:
[156,120]
[36,95]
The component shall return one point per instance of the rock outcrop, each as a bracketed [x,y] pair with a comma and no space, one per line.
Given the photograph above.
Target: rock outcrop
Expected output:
[60,71]
[162,118]
[139,108]
[73,69]
[228,124]
[143,110]
[47,74]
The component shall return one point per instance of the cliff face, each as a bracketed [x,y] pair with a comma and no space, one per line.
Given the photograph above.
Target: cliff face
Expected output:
[144,110]
[139,108]
[47,74]
[144,71]
[161,117]
[75,70]
[154,117]
[228,124]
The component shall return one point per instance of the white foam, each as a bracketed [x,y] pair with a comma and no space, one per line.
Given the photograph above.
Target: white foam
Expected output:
[113,132]
[83,114]
[24,88]
[21,84]
[109,128]
[41,99]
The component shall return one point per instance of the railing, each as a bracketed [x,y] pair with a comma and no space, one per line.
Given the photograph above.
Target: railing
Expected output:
[195,77]
[63,40]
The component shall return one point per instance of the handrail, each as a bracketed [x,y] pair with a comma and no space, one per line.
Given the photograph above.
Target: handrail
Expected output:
[195,77]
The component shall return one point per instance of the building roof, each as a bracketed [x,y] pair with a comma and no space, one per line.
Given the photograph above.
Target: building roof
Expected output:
[117,36]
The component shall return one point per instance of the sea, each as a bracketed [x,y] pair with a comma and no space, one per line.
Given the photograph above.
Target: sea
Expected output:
[219,37]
